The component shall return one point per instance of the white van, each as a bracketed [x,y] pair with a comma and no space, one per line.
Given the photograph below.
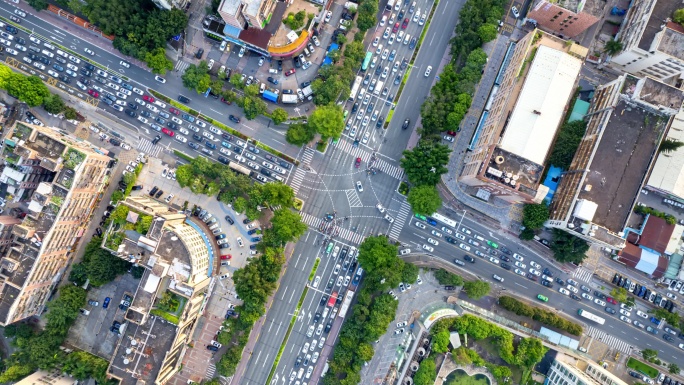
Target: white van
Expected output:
[361,93]
[383,21]
[273,71]
[325,312]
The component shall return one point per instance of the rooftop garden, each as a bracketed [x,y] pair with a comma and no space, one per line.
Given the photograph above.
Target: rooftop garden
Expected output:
[121,223]
[73,158]
[169,306]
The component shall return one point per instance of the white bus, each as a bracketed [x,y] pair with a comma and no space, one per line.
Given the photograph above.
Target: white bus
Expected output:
[346,303]
[355,88]
[445,220]
[590,316]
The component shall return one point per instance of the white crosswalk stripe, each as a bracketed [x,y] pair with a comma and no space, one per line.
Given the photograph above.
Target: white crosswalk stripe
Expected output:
[399,221]
[345,234]
[582,274]
[607,339]
[181,66]
[307,155]
[380,164]
[211,370]
[148,148]
[353,198]
[297,179]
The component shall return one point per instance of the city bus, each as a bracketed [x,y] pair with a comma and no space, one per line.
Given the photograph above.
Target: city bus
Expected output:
[366,61]
[239,168]
[346,303]
[589,316]
[445,220]
[355,88]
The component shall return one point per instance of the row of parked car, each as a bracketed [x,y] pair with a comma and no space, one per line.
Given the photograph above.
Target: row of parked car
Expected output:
[646,294]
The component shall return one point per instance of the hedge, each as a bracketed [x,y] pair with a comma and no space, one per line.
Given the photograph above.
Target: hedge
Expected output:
[538,314]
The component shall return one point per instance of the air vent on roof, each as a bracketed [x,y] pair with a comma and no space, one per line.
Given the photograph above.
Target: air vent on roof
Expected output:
[499,159]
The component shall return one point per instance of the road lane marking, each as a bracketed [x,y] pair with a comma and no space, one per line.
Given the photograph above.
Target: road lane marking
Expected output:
[284,291]
[290,301]
[265,360]
[521,285]
[216,111]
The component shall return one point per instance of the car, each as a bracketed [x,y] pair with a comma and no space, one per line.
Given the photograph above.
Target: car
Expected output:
[610,310]
[428,70]
[420,225]
[498,278]
[609,299]
[587,296]
[469,258]
[105,303]
[433,241]
[563,291]
[357,163]
[520,264]
[515,12]
[625,319]
[641,314]
[290,72]
[234,119]
[520,272]
[599,302]
[428,248]
[160,79]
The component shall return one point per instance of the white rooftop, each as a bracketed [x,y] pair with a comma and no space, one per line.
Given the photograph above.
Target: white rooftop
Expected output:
[668,171]
[541,103]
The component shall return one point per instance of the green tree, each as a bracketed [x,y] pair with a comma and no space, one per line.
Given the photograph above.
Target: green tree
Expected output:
[527,234]
[197,77]
[427,372]
[612,47]
[530,351]
[440,341]
[253,106]
[16,372]
[673,368]
[278,194]
[569,137]
[619,294]
[355,51]
[327,121]
[366,18]
[38,5]
[534,215]
[299,134]
[158,62]
[476,289]
[669,145]
[70,113]
[424,199]
[287,225]
[446,278]
[379,259]
[649,354]
[425,163]
[678,16]
[567,247]
[54,104]
[278,116]
[216,87]
[236,81]
[670,318]
[328,90]
[78,274]
[487,32]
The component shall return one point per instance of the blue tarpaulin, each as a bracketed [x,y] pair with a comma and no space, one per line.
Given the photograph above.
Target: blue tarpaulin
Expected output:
[270,96]
[327,59]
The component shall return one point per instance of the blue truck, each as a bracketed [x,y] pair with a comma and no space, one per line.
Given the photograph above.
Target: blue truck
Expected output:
[270,96]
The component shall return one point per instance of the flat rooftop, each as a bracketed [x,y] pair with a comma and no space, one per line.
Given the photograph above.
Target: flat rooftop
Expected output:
[622,158]
[541,104]
[141,351]
[662,10]
[172,248]
[515,171]
[657,94]
[672,40]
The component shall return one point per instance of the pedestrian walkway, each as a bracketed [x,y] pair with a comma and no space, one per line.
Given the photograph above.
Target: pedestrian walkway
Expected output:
[307,156]
[148,148]
[181,66]
[607,339]
[399,221]
[211,370]
[345,234]
[582,274]
[297,179]
[378,163]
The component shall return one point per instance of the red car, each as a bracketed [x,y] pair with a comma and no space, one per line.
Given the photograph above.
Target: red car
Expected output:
[357,164]
[396,27]
[167,131]
[174,111]
[289,72]
[611,300]
[148,98]
[452,133]
[93,93]
[226,101]
[228,256]
[405,23]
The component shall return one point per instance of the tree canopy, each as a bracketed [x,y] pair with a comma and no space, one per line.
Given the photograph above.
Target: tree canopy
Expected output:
[158,62]
[327,120]
[425,163]
[476,289]
[424,200]
[534,215]
[568,248]
[196,77]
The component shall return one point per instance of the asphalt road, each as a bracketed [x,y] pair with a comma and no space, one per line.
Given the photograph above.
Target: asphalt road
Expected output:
[615,332]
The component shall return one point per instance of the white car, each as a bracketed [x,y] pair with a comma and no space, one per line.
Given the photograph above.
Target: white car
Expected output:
[563,291]
[142,119]
[587,296]
[140,101]
[515,11]
[641,314]
[201,124]
[428,70]
[670,295]
[625,319]
[20,47]
[210,64]
[420,225]
[520,264]
[535,272]
[464,247]
[428,248]
[447,230]
[572,289]
[625,313]
[599,302]
[125,64]
[137,91]
[436,233]
[466,231]
[518,257]
[316,42]
[535,265]
[434,242]
[152,108]
[181,138]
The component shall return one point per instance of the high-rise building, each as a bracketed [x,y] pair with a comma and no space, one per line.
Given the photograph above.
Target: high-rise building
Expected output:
[564,371]
[509,150]
[651,41]
[178,258]
[54,179]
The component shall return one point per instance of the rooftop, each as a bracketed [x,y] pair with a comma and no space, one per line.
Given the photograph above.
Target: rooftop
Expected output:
[141,352]
[541,103]
[660,96]
[672,40]
[515,171]
[171,249]
[662,11]
[668,171]
[621,160]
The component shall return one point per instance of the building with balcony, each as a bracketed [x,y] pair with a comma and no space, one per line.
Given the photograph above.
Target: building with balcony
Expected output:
[626,122]
[507,159]
[566,370]
[160,322]
[652,44]
[565,18]
[56,179]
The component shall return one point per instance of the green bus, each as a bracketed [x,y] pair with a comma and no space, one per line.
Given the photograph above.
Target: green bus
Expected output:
[366,61]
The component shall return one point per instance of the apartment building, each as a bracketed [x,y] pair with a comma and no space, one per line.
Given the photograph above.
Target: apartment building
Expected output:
[626,122]
[564,371]
[652,42]
[177,256]
[566,18]
[55,180]
[507,159]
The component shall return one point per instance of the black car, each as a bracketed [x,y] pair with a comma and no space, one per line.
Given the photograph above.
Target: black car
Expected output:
[328,326]
[89,67]
[12,30]
[400,15]
[272,80]
[370,107]
[265,172]
[298,362]
[159,193]
[156,139]
[98,231]
[131,113]
[252,231]
[132,106]
[560,281]
[197,138]
[505,258]
[172,125]
[183,99]
[21,41]
[257,239]
[246,221]
[210,145]
[280,65]
[667,337]
[469,258]
[297,62]
[324,299]
[85,72]
[154,191]
[610,310]
[380,121]
[355,107]
[575,297]
[378,70]
[44,60]
[199,53]
[547,284]
[505,266]
[229,220]
[145,113]
[634,374]
[84,81]
[212,348]
[548,272]
[234,119]
[114,142]
[252,247]
[306,84]
[406,124]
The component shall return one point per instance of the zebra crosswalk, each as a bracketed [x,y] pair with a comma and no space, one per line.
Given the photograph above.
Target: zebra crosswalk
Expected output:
[211,370]
[181,66]
[353,198]
[607,339]
[345,234]
[379,163]
[297,179]
[399,221]
[582,274]
[148,148]
[307,155]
